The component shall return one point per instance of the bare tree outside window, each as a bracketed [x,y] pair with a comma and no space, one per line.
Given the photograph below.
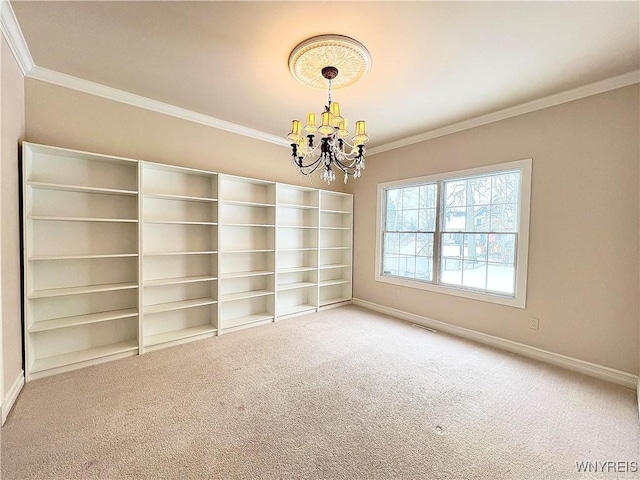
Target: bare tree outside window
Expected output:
[471,221]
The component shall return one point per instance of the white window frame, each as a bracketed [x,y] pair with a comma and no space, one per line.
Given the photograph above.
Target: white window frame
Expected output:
[519,298]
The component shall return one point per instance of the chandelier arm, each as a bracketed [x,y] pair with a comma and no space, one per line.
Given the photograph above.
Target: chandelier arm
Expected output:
[349,170]
[317,164]
[300,164]
[309,165]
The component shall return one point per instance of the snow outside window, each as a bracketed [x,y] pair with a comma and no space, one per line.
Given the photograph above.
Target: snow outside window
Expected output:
[463,233]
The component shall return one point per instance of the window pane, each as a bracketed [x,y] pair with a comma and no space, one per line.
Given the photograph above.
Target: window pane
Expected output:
[390,264]
[407,266]
[497,218]
[475,247]
[501,278]
[479,191]
[407,243]
[451,273]
[393,197]
[480,218]
[505,188]
[394,217]
[455,219]
[502,248]
[427,220]
[424,268]
[409,221]
[474,274]
[391,243]
[510,218]
[410,197]
[428,196]
[455,193]
[451,258]
[424,244]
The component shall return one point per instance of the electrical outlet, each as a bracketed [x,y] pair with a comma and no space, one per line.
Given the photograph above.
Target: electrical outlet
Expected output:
[534,323]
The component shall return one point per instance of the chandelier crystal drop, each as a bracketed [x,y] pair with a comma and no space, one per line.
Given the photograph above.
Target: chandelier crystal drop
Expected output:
[332,153]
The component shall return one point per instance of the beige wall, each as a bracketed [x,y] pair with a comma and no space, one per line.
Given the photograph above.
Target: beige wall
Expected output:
[12,125]
[583,277]
[67,118]
[583,269]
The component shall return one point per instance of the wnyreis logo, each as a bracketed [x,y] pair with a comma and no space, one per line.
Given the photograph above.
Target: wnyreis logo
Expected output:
[607,467]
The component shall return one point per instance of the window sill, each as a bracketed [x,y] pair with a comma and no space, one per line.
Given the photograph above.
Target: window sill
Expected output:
[516,302]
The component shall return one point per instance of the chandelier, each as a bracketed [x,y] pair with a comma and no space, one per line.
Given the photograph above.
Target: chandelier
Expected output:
[316,62]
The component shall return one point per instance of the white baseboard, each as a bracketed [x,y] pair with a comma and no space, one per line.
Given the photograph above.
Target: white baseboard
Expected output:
[10,398]
[598,371]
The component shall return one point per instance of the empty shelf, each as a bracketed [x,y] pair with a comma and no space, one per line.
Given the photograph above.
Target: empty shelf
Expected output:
[175,281]
[167,307]
[245,203]
[65,359]
[162,254]
[325,210]
[186,198]
[179,222]
[250,273]
[82,219]
[58,292]
[334,265]
[335,281]
[249,250]
[240,295]
[329,301]
[65,322]
[295,309]
[81,188]
[266,225]
[246,320]
[293,286]
[295,205]
[174,335]
[81,257]
[296,269]
[298,226]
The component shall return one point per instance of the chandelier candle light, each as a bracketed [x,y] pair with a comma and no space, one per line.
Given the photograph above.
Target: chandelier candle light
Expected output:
[314,62]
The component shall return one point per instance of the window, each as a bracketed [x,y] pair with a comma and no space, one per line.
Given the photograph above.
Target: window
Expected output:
[463,233]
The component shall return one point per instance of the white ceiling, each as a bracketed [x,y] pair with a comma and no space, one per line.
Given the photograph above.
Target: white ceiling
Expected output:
[434,63]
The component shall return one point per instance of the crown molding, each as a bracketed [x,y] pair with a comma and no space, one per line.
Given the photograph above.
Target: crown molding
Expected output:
[612,83]
[12,33]
[97,89]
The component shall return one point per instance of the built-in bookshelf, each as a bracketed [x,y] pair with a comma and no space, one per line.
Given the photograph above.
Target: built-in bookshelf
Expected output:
[297,250]
[80,221]
[247,252]
[179,244]
[335,248]
[125,256]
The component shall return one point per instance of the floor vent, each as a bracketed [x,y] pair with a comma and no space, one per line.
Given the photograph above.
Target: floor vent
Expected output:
[425,328]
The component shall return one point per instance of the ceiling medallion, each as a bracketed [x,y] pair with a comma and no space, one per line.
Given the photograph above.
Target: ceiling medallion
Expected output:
[324,62]
[349,56]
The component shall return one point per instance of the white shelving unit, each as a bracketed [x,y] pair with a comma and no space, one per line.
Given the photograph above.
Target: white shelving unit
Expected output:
[247,252]
[80,220]
[179,267]
[125,256]
[335,249]
[297,250]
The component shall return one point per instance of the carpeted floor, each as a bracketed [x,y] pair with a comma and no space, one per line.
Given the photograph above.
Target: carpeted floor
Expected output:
[345,393]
